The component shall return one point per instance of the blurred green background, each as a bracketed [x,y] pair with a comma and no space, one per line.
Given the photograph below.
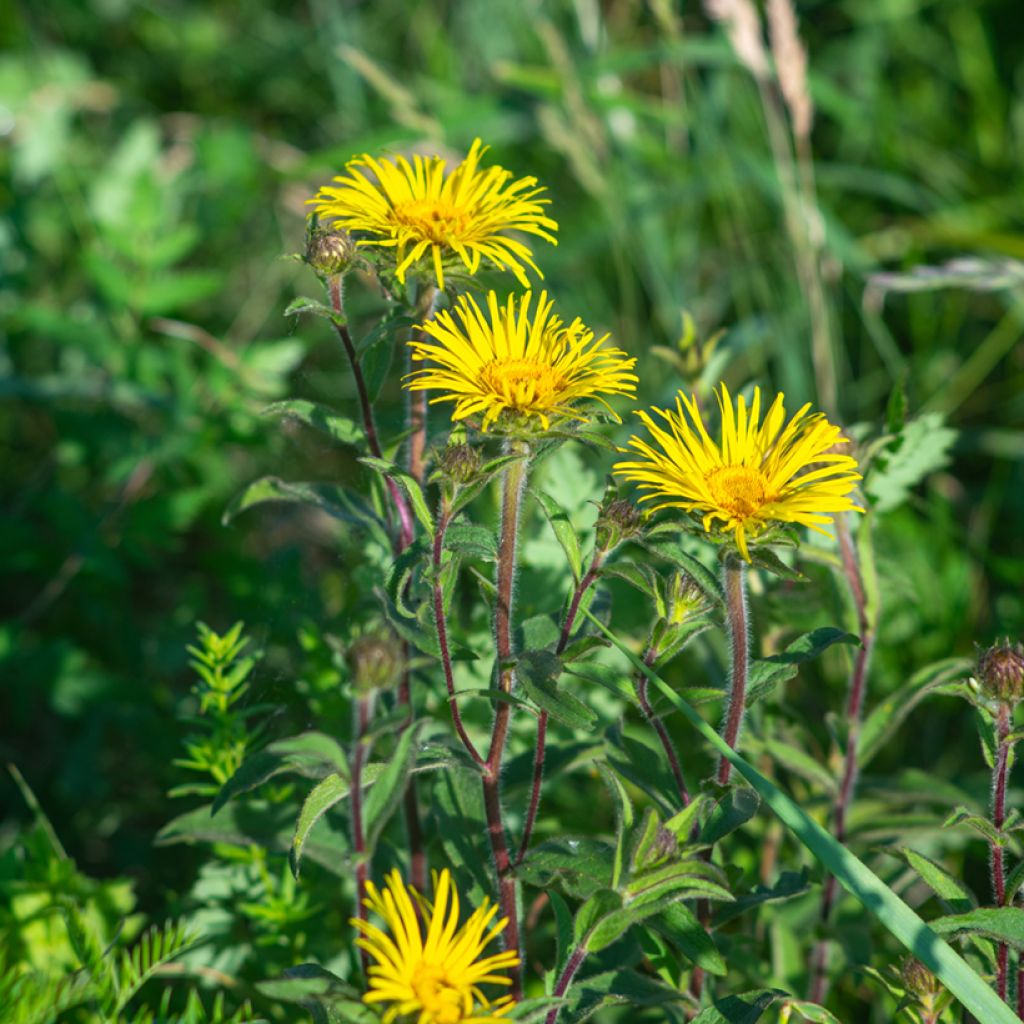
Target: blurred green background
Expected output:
[154,163]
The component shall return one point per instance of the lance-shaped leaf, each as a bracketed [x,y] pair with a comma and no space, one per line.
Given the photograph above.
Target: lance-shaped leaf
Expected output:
[324,795]
[563,530]
[340,429]
[389,788]
[409,484]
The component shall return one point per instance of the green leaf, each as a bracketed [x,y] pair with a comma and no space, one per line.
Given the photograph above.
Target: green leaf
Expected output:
[303,306]
[409,484]
[1001,924]
[887,717]
[947,887]
[329,498]
[564,531]
[921,448]
[474,541]
[681,927]
[311,754]
[811,645]
[537,673]
[324,795]
[984,827]
[735,809]
[766,559]
[764,676]
[811,1012]
[789,885]
[338,428]
[742,1009]
[389,788]
[856,877]
[579,867]
[596,909]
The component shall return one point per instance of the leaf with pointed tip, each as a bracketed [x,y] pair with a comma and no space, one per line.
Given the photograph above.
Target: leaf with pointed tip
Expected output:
[680,926]
[746,1008]
[341,429]
[1001,924]
[324,795]
[564,531]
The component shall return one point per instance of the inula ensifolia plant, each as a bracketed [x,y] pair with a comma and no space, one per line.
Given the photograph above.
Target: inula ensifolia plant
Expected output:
[452,674]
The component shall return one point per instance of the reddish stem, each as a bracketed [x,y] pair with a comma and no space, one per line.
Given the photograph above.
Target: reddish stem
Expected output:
[854,714]
[512,492]
[441,626]
[589,579]
[999,776]
[579,954]
[736,608]
[640,685]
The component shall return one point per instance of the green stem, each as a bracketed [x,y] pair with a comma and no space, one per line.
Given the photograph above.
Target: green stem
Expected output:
[736,610]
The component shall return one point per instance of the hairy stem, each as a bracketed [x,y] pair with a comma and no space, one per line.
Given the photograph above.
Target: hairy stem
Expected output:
[406,530]
[736,609]
[640,686]
[441,626]
[578,955]
[364,712]
[589,579]
[854,715]
[1000,771]
[513,481]
[426,306]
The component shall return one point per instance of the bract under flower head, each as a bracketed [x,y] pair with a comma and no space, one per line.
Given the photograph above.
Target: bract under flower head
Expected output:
[419,210]
[436,976]
[517,359]
[760,474]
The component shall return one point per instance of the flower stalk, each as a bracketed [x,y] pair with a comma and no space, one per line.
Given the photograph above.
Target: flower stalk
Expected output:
[640,687]
[1000,771]
[736,612]
[574,963]
[513,483]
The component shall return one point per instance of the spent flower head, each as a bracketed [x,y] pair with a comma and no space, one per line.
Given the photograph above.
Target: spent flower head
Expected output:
[758,475]
[619,520]
[423,212]
[1000,672]
[329,252]
[517,361]
[432,978]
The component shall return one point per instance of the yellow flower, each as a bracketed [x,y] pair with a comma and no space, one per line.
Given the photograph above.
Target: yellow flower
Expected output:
[762,473]
[438,976]
[514,360]
[416,209]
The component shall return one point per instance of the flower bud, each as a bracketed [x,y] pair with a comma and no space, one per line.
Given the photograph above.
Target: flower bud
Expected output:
[618,520]
[376,661]
[329,253]
[1000,672]
[918,980]
[683,598]
[460,463]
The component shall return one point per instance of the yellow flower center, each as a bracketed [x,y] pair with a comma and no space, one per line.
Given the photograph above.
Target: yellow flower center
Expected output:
[740,490]
[438,997]
[431,220]
[524,384]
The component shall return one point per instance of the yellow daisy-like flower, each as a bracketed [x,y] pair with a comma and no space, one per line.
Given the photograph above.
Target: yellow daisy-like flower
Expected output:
[517,359]
[762,473]
[437,977]
[416,209]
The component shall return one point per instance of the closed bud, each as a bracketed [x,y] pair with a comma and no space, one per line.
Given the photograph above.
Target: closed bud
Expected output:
[460,463]
[329,253]
[684,598]
[1000,672]
[918,980]
[376,662]
[618,520]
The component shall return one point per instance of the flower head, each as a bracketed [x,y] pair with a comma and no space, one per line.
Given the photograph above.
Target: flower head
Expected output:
[437,976]
[1001,672]
[418,210]
[517,359]
[762,473]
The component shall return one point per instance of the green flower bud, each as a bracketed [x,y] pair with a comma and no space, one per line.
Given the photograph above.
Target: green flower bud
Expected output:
[329,253]
[619,520]
[1000,672]
[376,661]
[460,463]
[684,598]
